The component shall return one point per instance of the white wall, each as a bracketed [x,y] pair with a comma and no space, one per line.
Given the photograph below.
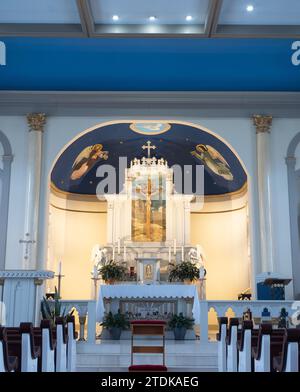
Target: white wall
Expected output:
[223,237]
[238,132]
[15,129]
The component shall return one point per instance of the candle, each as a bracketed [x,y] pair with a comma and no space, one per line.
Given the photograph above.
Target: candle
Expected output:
[174,246]
[169,254]
[125,253]
[119,246]
[182,253]
[95,272]
[59,268]
[113,253]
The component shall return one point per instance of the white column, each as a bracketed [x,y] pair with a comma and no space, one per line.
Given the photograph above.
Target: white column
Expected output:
[263,126]
[36,122]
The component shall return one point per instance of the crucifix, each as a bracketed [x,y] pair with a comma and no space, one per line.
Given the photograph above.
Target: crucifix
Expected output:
[27,244]
[149,148]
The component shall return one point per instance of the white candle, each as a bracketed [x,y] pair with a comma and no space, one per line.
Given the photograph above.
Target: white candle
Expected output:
[125,253]
[182,253]
[169,254]
[113,253]
[119,246]
[95,273]
[174,246]
[59,268]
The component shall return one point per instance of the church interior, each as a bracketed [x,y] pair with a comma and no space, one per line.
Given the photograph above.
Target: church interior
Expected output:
[149,186]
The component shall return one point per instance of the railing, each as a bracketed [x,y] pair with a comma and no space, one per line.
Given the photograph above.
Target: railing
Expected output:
[238,307]
[87,313]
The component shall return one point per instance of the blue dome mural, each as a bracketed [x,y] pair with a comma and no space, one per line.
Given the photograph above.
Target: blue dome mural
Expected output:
[75,170]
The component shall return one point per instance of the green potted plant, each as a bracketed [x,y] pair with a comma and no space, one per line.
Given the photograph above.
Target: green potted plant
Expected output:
[112,272]
[179,324]
[184,272]
[51,309]
[115,323]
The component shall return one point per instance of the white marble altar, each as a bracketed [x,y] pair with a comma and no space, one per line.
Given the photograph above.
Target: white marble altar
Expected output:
[185,296]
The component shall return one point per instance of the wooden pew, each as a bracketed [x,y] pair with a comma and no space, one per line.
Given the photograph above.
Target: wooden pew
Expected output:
[21,343]
[45,339]
[261,351]
[221,339]
[7,363]
[71,350]
[61,345]
[244,344]
[30,352]
[289,358]
[231,341]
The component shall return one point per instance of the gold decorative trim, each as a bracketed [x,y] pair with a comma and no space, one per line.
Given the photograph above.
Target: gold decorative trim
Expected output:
[73,210]
[218,212]
[262,123]
[228,196]
[73,196]
[36,121]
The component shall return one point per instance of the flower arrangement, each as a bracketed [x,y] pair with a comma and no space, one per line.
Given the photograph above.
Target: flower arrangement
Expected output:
[112,272]
[184,271]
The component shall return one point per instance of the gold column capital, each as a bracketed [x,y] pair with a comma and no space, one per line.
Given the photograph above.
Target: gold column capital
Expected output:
[36,121]
[262,123]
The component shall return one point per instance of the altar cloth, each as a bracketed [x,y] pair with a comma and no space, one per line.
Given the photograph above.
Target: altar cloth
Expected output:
[165,291]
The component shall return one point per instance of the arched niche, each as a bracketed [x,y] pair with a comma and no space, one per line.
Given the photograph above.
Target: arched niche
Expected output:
[76,216]
[294,204]
[6,158]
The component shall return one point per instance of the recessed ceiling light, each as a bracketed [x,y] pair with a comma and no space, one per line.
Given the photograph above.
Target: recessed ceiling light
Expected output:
[152,18]
[188,18]
[250,8]
[115,17]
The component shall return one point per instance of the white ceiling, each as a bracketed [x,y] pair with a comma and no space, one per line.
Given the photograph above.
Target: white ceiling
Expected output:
[265,12]
[138,11]
[93,18]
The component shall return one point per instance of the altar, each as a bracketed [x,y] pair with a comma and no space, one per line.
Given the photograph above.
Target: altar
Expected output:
[148,233]
[141,301]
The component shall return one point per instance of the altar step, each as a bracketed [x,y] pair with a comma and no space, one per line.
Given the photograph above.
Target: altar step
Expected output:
[105,356]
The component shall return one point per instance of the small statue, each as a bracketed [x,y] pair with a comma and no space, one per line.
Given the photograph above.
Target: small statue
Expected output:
[283,319]
[99,256]
[202,272]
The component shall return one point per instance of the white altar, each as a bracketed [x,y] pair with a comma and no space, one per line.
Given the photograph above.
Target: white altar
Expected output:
[148,220]
[148,231]
[149,301]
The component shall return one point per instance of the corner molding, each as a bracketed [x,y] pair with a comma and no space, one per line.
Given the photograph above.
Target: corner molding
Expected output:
[200,103]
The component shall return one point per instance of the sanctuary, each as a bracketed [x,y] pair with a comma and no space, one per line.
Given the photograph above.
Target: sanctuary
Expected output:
[149,186]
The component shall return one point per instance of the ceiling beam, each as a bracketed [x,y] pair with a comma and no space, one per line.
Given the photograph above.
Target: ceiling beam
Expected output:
[86,17]
[40,30]
[257,31]
[144,103]
[212,18]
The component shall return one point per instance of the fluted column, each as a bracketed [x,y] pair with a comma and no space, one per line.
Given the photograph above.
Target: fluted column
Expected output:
[293,203]
[36,122]
[263,128]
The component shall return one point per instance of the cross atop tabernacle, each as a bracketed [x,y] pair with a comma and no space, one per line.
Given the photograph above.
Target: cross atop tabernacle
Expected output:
[149,148]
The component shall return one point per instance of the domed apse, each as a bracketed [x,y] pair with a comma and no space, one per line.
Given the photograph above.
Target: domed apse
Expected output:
[78,219]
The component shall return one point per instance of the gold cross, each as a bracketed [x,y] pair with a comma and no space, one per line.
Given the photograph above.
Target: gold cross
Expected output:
[149,148]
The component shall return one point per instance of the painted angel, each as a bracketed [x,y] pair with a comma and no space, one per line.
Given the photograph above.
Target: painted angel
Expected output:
[214,160]
[87,159]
